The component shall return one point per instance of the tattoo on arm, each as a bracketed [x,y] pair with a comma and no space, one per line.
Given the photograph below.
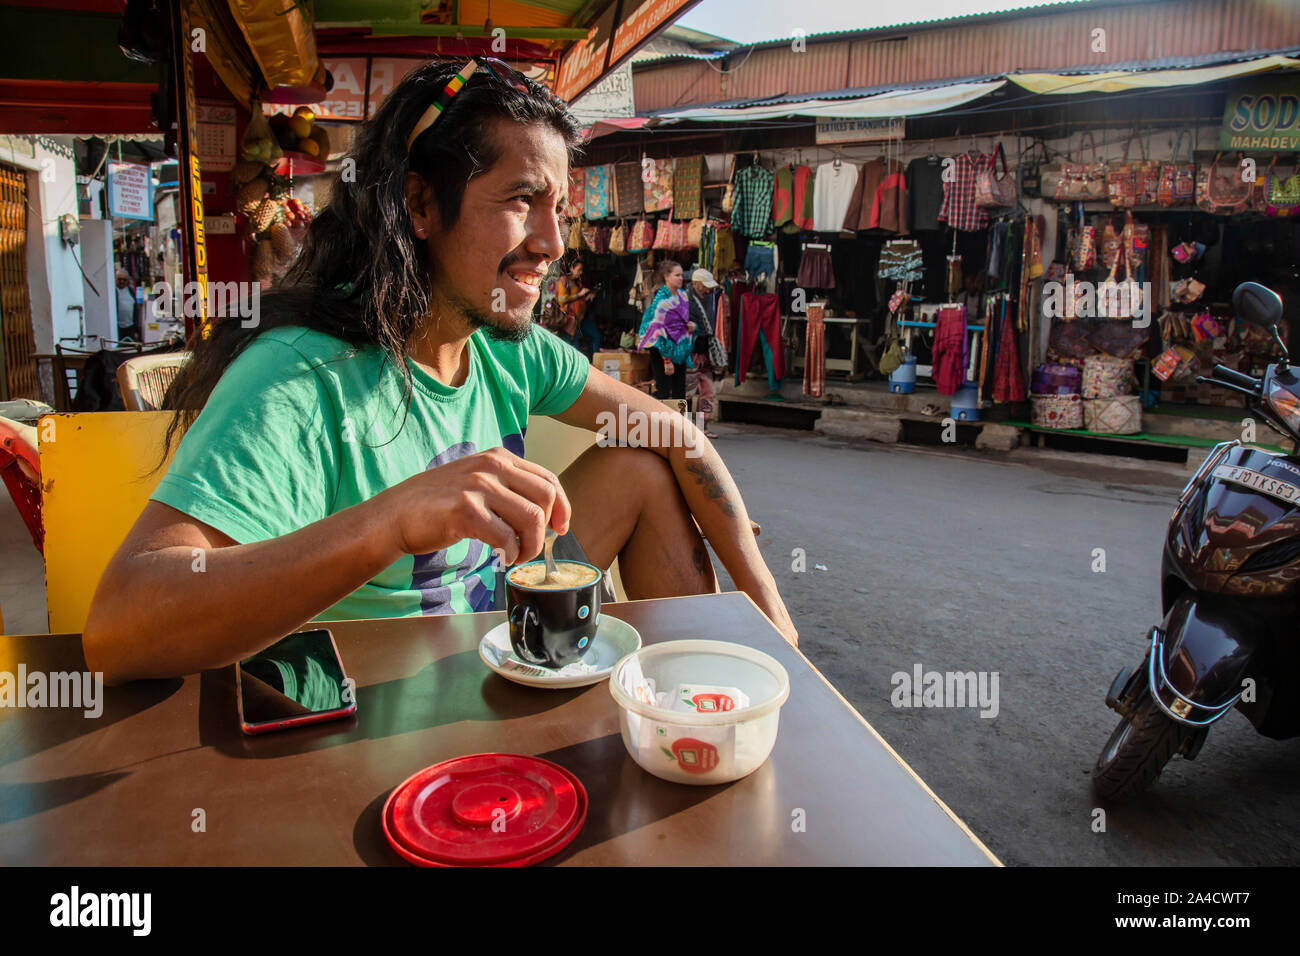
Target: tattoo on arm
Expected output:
[704,475]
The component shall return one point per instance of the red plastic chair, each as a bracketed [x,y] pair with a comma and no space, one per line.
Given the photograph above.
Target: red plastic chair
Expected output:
[20,467]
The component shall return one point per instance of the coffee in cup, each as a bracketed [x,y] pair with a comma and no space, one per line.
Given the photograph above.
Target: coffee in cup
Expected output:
[553,622]
[568,574]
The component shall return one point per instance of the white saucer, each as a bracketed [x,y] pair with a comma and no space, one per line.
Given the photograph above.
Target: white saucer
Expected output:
[614,640]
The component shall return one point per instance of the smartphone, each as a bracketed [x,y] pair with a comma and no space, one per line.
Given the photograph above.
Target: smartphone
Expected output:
[294,682]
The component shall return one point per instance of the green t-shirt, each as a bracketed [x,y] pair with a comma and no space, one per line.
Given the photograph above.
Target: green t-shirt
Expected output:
[303,425]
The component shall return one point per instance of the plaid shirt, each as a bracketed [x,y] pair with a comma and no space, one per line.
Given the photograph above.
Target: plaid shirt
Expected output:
[959,209]
[751,216]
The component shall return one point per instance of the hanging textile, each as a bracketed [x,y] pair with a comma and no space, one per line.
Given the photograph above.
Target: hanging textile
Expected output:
[576,205]
[760,317]
[629,194]
[657,184]
[959,209]
[597,190]
[1008,380]
[751,216]
[814,363]
[688,176]
[950,349]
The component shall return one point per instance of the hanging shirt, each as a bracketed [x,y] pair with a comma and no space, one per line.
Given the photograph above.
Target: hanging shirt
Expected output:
[783,197]
[959,209]
[751,216]
[833,191]
[803,200]
[924,193]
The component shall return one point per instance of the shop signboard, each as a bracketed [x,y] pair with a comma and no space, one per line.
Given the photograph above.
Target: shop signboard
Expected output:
[1262,113]
[858,129]
[615,35]
[130,191]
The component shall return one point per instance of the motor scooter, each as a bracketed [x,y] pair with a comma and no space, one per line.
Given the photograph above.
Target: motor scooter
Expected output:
[1230,590]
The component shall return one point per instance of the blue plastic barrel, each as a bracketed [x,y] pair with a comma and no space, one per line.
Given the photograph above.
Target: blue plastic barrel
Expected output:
[965,403]
[903,379]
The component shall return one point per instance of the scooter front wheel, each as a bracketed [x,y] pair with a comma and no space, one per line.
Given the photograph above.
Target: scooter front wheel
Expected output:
[1137,752]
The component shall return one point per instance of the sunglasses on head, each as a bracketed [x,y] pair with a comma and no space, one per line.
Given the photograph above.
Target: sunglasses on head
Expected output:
[501,71]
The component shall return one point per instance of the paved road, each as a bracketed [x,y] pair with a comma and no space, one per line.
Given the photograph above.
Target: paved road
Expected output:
[962,561]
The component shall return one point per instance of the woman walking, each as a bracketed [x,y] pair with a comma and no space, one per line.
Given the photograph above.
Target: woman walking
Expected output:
[667,331]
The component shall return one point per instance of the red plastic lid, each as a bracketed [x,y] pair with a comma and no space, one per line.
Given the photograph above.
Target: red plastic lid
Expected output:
[485,810]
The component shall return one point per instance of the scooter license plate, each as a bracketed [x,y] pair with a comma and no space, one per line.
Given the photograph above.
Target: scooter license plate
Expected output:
[1255,481]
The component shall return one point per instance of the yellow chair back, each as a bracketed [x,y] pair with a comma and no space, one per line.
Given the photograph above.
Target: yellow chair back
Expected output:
[95,479]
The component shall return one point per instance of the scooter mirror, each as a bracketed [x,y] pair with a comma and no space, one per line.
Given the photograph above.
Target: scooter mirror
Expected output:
[1261,306]
[1257,304]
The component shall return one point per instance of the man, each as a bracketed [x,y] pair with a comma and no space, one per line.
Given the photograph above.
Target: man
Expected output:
[126,327]
[574,302]
[358,451]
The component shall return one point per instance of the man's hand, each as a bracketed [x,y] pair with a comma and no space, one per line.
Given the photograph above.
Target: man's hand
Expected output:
[494,496]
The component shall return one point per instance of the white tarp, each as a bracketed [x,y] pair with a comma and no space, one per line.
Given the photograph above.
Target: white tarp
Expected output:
[881,105]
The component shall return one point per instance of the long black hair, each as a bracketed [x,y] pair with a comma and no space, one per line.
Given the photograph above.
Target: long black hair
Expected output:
[361,275]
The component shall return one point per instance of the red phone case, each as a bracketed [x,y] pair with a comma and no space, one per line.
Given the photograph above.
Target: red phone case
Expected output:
[290,722]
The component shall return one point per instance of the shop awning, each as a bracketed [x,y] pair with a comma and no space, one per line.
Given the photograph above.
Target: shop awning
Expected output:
[881,105]
[1118,81]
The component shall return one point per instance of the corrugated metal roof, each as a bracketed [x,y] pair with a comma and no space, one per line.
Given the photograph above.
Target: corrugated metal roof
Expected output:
[1138,35]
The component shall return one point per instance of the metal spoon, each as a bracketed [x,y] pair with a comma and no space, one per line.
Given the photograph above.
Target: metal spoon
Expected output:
[546,553]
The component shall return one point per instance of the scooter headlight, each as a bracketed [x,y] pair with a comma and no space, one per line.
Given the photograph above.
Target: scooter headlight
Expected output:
[1285,404]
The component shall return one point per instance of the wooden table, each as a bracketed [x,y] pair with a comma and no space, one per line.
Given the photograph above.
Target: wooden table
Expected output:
[124,788]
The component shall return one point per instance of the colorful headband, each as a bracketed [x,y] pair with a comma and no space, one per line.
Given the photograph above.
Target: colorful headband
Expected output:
[430,115]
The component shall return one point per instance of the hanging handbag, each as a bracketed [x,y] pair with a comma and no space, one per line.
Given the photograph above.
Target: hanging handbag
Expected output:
[892,358]
[1031,169]
[1128,183]
[1119,299]
[642,237]
[591,237]
[666,235]
[1177,180]
[729,195]
[1136,240]
[618,240]
[1083,180]
[1282,196]
[1109,244]
[694,233]
[1259,188]
[992,191]
[1217,193]
[575,236]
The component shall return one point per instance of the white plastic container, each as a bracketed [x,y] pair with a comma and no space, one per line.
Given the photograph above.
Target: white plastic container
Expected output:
[700,748]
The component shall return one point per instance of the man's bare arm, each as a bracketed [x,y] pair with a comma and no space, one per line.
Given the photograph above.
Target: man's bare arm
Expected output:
[707,486]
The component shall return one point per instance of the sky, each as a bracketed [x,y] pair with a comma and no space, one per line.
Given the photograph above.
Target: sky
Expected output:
[751,21]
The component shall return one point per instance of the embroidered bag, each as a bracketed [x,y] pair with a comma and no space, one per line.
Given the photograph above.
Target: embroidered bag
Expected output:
[642,237]
[1282,196]
[1219,193]
[617,240]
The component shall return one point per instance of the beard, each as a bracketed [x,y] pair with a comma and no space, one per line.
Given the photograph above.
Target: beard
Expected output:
[501,326]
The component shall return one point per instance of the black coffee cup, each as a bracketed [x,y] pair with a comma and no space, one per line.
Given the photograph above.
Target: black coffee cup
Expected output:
[553,627]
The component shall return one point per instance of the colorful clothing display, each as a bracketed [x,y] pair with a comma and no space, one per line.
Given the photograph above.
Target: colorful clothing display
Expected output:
[1008,379]
[751,216]
[959,209]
